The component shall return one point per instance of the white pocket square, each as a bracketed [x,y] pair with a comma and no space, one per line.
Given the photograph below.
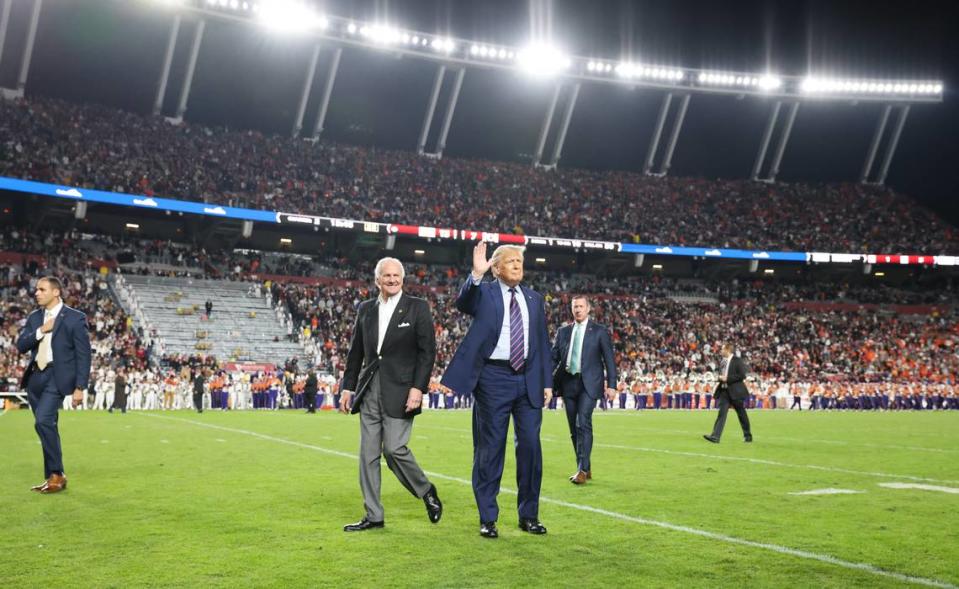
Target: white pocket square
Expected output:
[403,325]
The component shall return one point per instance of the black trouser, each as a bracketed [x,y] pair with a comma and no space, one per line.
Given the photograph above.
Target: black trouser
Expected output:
[796,402]
[723,401]
[198,402]
[119,402]
[310,402]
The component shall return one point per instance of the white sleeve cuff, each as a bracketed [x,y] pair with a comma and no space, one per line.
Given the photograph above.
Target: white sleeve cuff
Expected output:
[40,333]
[474,280]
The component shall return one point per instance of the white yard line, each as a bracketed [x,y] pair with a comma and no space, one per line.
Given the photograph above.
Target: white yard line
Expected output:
[824,558]
[951,490]
[798,440]
[885,475]
[828,491]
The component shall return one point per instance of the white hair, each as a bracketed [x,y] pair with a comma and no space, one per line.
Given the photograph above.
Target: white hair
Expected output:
[500,252]
[378,271]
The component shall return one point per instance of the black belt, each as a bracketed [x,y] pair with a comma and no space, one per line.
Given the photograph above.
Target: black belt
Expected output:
[506,364]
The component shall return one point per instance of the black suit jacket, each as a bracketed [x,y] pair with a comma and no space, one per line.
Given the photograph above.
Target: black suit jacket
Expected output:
[311,385]
[735,380]
[405,361]
[597,361]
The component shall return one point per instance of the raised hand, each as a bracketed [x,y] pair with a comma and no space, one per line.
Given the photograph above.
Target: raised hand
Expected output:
[480,264]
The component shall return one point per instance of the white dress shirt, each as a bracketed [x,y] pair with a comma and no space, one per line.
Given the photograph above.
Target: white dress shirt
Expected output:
[46,316]
[385,309]
[729,360]
[501,351]
[572,338]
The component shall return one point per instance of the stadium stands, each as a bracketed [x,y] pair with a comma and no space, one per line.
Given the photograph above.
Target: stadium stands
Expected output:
[95,146]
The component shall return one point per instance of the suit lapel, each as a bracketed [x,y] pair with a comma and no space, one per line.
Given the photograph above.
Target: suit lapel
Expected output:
[371,322]
[498,304]
[58,322]
[530,306]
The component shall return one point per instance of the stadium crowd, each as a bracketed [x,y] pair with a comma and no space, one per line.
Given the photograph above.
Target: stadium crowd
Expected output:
[87,145]
[659,337]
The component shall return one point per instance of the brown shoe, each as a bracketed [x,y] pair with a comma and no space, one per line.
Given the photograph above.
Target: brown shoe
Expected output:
[579,478]
[589,475]
[54,484]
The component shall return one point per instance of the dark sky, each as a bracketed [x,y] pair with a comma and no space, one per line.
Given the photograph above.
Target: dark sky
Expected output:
[110,52]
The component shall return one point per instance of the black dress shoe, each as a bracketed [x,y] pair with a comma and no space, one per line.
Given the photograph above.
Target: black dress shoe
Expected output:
[532,526]
[488,530]
[711,439]
[748,440]
[363,524]
[434,507]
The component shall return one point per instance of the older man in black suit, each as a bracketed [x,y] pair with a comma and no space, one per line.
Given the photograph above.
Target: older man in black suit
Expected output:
[389,366]
[731,390]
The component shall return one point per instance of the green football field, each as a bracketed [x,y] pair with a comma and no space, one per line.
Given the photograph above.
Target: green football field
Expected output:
[259,499]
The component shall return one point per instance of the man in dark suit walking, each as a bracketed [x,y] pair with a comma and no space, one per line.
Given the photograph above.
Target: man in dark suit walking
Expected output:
[731,390]
[584,360]
[119,392]
[309,391]
[388,367]
[57,339]
[505,361]
[198,382]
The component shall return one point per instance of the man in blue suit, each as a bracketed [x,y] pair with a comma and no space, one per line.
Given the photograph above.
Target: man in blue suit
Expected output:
[583,355]
[505,361]
[57,339]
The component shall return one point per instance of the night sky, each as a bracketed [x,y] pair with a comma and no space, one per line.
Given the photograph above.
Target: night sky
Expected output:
[109,51]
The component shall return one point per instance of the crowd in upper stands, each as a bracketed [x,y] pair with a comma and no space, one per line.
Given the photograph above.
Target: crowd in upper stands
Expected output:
[88,145]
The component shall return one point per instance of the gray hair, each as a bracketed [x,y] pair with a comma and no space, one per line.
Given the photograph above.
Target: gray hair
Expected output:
[378,271]
[500,252]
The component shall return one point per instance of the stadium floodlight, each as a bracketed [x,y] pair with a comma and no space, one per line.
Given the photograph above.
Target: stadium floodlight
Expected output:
[769,82]
[381,34]
[351,29]
[444,45]
[816,85]
[290,16]
[542,60]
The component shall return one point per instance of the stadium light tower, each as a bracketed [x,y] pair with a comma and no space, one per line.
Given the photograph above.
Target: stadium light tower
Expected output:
[29,40]
[545,61]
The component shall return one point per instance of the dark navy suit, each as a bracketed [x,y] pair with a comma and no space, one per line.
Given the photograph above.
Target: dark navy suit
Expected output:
[501,392]
[580,391]
[47,388]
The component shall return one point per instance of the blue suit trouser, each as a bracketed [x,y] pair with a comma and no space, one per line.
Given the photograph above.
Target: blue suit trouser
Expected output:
[579,413]
[501,393]
[45,401]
